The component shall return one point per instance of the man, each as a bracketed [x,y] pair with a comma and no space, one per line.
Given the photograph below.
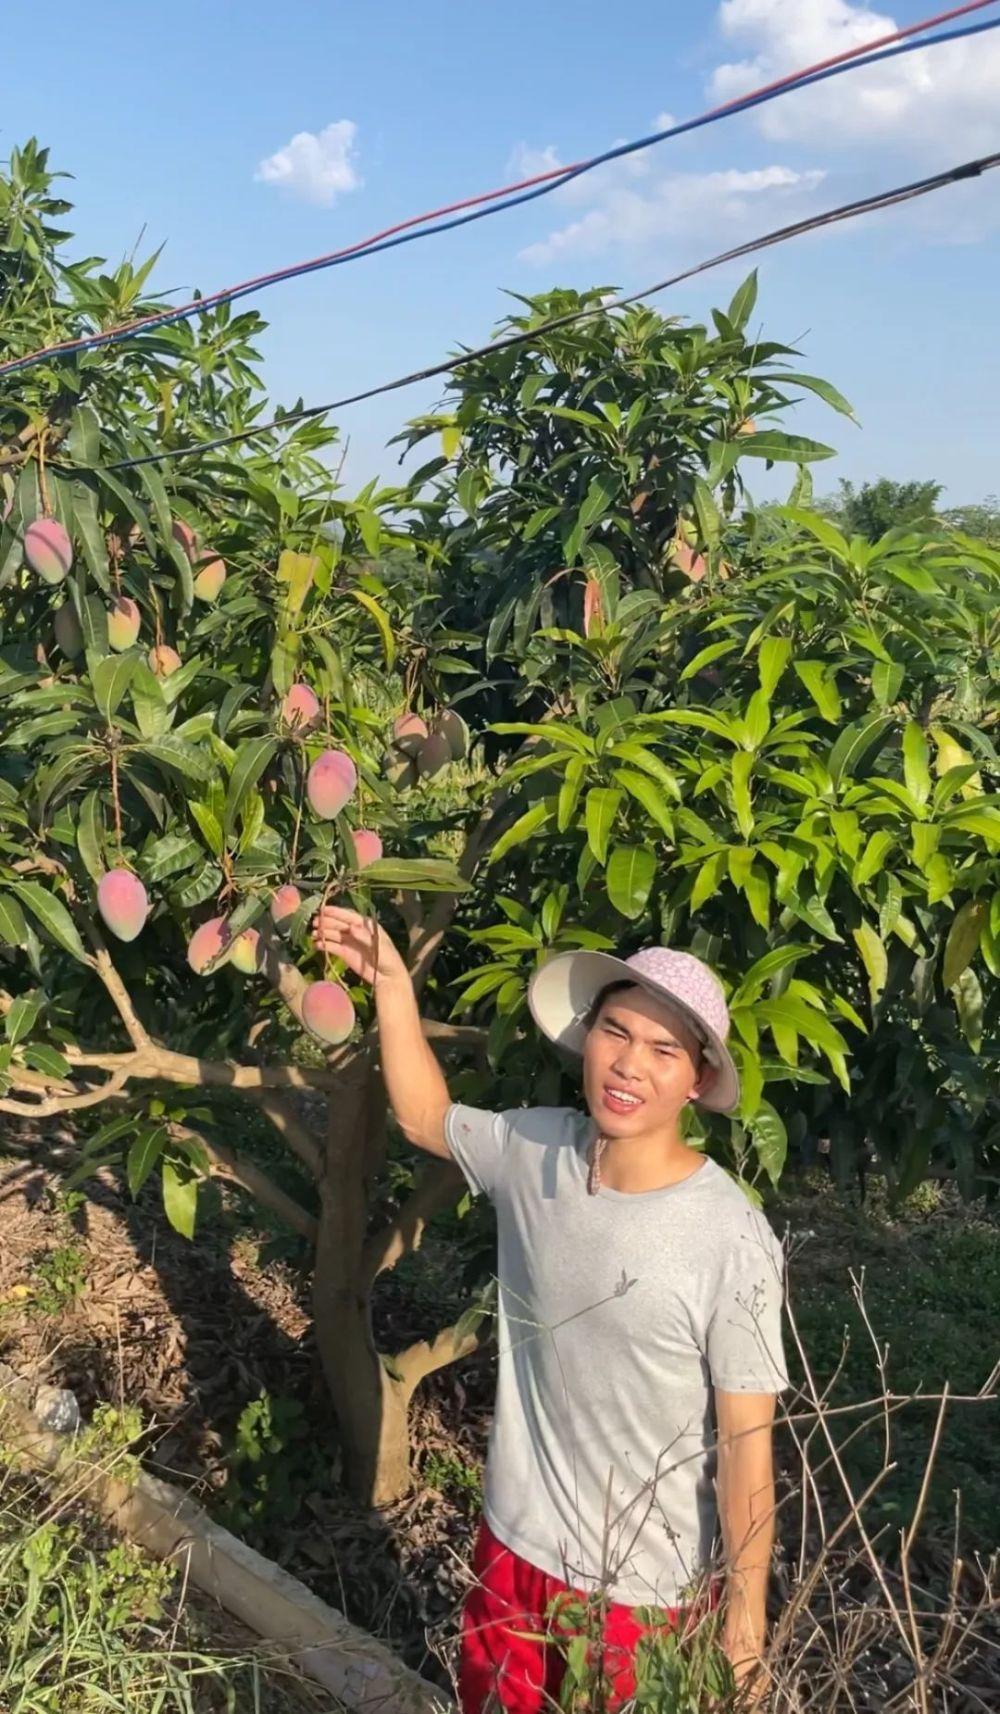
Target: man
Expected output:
[639,1319]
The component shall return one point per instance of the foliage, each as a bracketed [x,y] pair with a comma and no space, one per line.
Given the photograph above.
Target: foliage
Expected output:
[880,506]
[778,753]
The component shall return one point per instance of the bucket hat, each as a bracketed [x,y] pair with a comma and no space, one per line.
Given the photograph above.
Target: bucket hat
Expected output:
[562,992]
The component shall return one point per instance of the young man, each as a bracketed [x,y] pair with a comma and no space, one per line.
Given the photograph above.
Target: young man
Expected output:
[639,1317]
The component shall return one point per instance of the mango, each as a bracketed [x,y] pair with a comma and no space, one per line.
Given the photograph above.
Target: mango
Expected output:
[163,660]
[433,755]
[327,1012]
[247,953]
[184,534]
[48,549]
[124,620]
[122,902]
[67,627]
[330,783]
[284,904]
[400,770]
[300,708]
[454,731]
[207,943]
[408,733]
[367,846]
[209,581]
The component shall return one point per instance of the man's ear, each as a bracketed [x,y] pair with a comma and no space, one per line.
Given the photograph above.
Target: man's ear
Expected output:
[707,1076]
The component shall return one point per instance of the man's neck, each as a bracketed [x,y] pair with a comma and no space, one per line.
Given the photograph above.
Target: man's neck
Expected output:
[634,1164]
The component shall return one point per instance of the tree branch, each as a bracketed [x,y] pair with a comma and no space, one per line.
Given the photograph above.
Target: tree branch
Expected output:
[422,1359]
[48,1106]
[291,1126]
[437,1188]
[455,1035]
[138,1035]
[227,1164]
[160,1063]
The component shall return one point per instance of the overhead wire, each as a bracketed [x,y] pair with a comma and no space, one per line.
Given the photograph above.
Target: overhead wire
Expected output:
[530,189]
[811,223]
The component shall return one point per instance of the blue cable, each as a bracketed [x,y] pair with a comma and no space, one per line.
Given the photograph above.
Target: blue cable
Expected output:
[119,336]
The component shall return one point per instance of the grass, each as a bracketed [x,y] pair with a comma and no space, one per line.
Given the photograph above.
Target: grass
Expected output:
[929,1279]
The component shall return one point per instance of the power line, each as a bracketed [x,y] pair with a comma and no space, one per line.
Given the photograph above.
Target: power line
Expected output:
[813,223]
[528,190]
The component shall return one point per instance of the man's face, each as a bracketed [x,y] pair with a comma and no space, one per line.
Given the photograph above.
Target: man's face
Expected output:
[641,1064]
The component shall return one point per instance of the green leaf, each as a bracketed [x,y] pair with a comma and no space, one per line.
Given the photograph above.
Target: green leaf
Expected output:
[705,657]
[53,916]
[382,621]
[629,878]
[180,1198]
[873,857]
[767,967]
[825,533]
[143,1156]
[602,806]
[916,762]
[968,996]
[770,1140]
[13,928]
[771,662]
[742,767]
[598,498]
[887,681]
[778,447]
[90,836]
[707,881]
[646,792]
[171,855]
[173,753]
[22,1016]
[532,821]
[963,940]
[855,744]
[39,1056]
[741,306]
[822,389]
[416,874]
[210,826]
[252,758]
[821,683]
[89,532]
[111,678]
[873,957]
[569,792]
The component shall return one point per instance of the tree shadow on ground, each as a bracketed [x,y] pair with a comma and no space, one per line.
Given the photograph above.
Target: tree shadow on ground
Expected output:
[212,1342]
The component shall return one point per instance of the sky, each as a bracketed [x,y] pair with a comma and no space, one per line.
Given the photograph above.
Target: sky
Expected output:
[243,137]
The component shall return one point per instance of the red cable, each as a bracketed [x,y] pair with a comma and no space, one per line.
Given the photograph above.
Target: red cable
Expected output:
[521,184]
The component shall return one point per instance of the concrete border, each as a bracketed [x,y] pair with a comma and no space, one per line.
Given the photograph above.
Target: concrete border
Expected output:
[357,1669]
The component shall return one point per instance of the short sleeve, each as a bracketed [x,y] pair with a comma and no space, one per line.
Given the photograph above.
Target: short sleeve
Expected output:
[744,1346]
[477,1140]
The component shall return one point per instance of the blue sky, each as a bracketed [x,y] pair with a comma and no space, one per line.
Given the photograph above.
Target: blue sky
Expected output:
[248,136]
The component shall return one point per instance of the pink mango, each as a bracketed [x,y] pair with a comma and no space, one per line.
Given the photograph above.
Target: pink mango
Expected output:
[124,620]
[48,549]
[247,952]
[185,535]
[300,708]
[408,733]
[67,628]
[209,581]
[163,660]
[122,902]
[367,846]
[284,904]
[331,783]
[207,943]
[433,755]
[454,731]
[327,1012]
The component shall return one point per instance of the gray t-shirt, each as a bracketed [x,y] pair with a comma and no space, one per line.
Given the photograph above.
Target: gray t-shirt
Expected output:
[617,1316]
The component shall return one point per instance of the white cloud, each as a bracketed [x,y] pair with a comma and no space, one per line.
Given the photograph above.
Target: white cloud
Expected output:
[719,208]
[938,98]
[316,166]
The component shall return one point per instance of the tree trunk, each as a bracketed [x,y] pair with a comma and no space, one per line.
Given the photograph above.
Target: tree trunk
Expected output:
[371,1407]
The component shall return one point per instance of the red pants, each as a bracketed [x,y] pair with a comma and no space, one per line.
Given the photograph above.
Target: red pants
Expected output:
[505,1657]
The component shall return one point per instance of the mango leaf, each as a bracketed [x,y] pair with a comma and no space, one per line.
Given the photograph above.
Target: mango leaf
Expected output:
[855,744]
[53,916]
[599,815]
[968,996]
[417,874]
[963,939]
[916,762]
[382,621]
[873,857]
[22,1016]
[743,300]
[767,967]
[629,878]
[822,389]
[172,753]
[569,792]
[646,792]
[742,767]
[143,1155]
[772,661]
[13,928]
[770,1140]
[111,679]
[821,683]
[887,681]
[90,836]
[532,821]
[873,957]
[779,447]
[598,498]
[705,657]
[252,758]
[180,1198]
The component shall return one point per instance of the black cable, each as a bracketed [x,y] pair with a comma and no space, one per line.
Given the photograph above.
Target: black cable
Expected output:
[813,223]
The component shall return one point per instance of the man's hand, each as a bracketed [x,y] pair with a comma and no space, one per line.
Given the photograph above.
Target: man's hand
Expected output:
[361,942]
